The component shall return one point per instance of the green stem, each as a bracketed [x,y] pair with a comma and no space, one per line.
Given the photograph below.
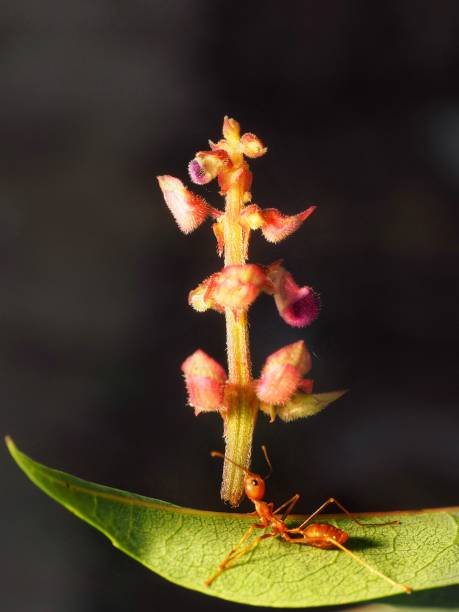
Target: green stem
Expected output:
[242,414]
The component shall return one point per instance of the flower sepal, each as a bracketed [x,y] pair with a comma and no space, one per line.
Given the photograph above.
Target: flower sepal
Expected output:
[303,405]
[282,373]
[205,382]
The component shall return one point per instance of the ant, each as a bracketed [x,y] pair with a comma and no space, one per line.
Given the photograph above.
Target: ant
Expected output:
[320,535]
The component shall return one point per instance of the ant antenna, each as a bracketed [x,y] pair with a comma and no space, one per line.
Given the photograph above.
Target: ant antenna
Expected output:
[265,453]
[222,456]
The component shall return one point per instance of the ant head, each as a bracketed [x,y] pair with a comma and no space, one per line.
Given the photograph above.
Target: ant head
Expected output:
[254,484]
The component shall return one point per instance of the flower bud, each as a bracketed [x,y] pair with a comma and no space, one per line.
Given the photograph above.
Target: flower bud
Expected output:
[231,130]
[282,373]
[252,145]
[298,306]
[207,165]
[188,209]
[205,379]
[237,286]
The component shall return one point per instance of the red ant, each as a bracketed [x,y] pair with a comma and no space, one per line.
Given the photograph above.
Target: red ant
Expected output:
[320,535]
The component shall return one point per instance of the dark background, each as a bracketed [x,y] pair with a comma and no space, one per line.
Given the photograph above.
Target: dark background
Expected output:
[358,103]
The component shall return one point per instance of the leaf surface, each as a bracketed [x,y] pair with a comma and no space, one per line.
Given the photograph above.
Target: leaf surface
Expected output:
[185,546]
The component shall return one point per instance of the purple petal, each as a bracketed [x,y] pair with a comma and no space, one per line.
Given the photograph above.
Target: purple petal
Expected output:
[303,310]
[197,173]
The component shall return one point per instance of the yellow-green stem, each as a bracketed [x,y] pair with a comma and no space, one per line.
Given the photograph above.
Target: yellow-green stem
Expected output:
[242,414]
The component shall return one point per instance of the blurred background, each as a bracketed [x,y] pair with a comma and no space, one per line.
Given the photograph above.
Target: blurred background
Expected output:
[358,103]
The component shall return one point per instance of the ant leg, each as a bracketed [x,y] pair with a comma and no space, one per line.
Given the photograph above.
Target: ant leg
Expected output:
[230,560]
[229,557]
[332,500]
[369,567]
[290,503]
[241,542]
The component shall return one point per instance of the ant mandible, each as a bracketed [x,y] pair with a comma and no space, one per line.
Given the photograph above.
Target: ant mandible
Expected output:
[320,535]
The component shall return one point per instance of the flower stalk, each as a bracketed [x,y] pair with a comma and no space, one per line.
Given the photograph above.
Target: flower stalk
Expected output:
[237,397]
[242,409]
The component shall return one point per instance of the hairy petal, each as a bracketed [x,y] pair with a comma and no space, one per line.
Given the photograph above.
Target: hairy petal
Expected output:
[278,226]
[189,210]
[275,226]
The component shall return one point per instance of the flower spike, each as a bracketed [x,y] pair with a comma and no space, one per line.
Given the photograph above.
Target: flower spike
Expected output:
[282,391]
[298,306]
[205,379]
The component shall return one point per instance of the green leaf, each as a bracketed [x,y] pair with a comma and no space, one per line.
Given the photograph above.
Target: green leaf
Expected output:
[185,546]
[307,404]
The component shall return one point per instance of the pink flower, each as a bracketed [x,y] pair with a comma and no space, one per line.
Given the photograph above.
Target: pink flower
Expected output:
[298,306]
[238,286]
[205,380]
[235,287]
[188,209]
[282,373]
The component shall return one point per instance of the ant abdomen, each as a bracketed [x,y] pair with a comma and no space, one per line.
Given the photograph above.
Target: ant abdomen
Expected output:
[322,535]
